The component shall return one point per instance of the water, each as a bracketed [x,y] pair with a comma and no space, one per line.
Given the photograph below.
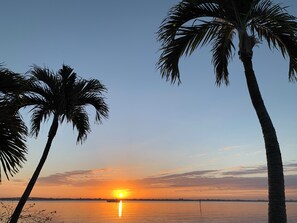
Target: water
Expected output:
[161,211]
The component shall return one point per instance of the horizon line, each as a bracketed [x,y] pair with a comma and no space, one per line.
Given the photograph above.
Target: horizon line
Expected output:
[138,199]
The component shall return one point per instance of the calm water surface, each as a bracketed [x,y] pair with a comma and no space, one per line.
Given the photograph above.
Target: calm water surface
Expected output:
[169,212]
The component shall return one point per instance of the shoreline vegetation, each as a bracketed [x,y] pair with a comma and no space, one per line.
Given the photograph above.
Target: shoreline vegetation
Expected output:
[139,199]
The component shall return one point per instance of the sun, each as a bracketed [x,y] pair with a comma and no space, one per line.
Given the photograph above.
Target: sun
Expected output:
[120,193]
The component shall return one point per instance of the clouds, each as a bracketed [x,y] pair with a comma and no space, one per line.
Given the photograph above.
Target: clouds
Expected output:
[246,171]
[74,178]
[220,179]
[239,178]
[244,182]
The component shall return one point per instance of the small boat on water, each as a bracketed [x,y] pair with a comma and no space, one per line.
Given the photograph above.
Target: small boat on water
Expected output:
[112,200]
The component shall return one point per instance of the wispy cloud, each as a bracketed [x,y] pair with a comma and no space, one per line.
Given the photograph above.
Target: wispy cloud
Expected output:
[228,148]
[291,166]
[245,171]
[74,178]
[186,174]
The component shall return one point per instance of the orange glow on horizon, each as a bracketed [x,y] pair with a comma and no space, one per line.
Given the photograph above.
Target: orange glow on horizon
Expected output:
[135,191]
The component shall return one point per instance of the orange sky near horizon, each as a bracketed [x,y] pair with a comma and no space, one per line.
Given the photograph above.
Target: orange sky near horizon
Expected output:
[139,193]
[133,192]
[192,185]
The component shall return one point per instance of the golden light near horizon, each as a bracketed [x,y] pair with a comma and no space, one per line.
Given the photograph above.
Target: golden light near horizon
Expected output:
[120,193]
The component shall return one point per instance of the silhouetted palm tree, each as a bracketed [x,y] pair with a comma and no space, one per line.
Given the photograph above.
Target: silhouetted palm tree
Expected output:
[194,23]
[13,131]
[62,97]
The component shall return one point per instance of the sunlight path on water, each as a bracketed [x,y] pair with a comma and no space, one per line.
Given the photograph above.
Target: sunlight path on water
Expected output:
[120,209]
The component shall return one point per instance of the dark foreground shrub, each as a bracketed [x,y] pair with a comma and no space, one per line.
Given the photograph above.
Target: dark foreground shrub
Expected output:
[30,214]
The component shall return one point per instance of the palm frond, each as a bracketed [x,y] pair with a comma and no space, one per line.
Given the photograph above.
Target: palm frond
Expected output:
[67,73]
[42,90]
[184,12]
[10,82]
[273,23]
[68,77]
[101,108]
[13,134]
[91,86]
[90,92]
[13,131]
[39,114]
[186,41]
[80,121]
[222,53]
[44,78]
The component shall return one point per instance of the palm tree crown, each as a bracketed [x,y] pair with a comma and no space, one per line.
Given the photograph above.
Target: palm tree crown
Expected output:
[62,96]
[13,131]
[193,23]
[65,96]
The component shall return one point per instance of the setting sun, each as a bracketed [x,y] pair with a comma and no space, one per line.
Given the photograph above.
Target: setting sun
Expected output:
[120,193]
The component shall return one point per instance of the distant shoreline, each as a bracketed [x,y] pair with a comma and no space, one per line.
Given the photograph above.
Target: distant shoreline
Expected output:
[139,199]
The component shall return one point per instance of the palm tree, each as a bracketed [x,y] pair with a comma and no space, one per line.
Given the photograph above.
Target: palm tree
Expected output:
[63,97]
[194,23]
[13,131]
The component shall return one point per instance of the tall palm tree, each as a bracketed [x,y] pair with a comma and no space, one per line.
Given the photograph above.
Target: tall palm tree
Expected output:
[194,23]
[61,96]
[13,131]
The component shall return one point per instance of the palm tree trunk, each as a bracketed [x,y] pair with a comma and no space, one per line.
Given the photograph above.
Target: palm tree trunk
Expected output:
[276,185]
[18,210]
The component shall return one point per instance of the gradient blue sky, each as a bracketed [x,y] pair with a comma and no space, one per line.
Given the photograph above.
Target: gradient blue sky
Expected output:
[154,128]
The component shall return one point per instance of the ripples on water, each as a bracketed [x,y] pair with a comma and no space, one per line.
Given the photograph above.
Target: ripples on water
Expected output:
[167,212]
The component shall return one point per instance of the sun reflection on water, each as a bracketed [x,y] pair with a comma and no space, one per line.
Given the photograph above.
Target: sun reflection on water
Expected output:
[120,209]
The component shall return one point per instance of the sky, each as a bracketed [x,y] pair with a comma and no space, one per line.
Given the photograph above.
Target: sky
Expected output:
[195,140]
